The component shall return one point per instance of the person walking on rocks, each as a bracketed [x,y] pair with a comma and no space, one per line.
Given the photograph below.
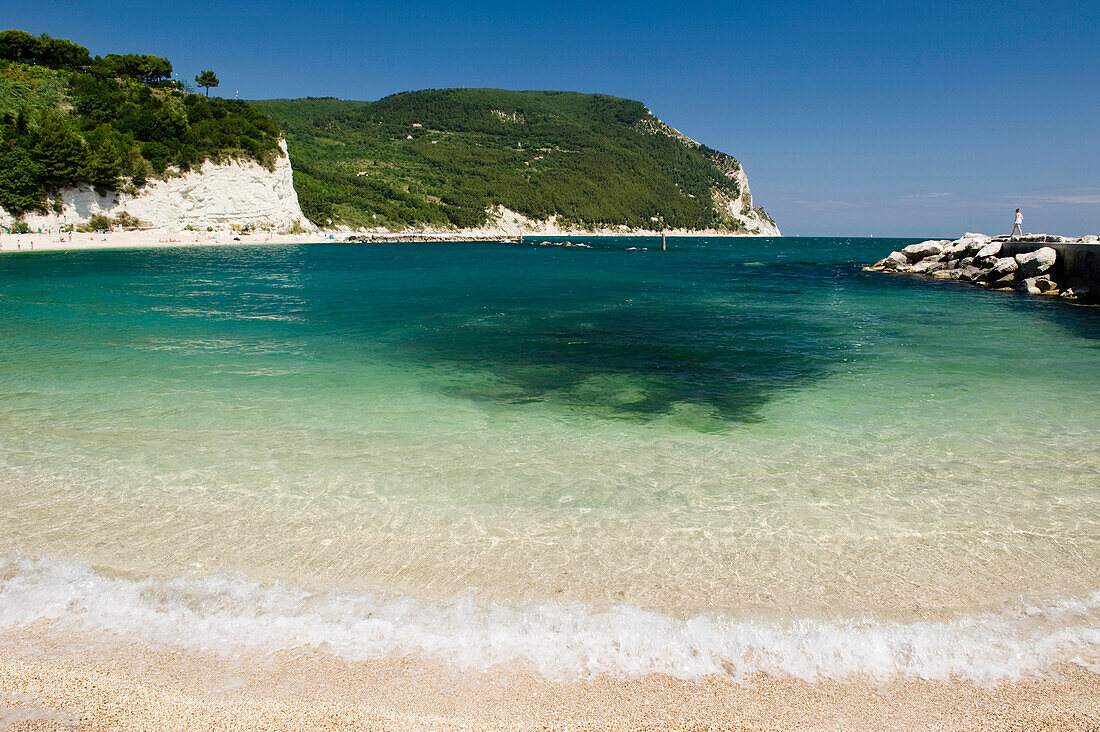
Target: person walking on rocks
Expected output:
[1017,227]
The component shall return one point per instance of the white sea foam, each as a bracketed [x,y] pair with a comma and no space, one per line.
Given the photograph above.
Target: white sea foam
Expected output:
[561,641]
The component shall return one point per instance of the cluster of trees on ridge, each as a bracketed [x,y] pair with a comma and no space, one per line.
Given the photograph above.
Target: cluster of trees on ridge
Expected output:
[441,157]
[70,119]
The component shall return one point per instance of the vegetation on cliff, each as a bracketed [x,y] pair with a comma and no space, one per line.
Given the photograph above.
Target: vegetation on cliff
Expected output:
[442,157]
[70,119]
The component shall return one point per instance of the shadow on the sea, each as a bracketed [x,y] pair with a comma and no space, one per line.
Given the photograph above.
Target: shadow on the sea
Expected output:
[706,366]
[1081,320]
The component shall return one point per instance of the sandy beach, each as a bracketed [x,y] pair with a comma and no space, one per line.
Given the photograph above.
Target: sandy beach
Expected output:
[163,238]
[149,239]
[50,681]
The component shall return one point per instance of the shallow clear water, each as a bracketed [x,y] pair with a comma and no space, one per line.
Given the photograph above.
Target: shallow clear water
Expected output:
[753,434]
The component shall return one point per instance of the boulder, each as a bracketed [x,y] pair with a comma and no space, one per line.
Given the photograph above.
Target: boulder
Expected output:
[968,247]
[894,260]
[1037,262]
[969,274]
[991,249]
[929,265]
[1045,284]
[972,235]
[954,250]
[966,262]
[1005,283]
[1003,266]
[1090,239]
[946,274]
[917,252]
[1029,286]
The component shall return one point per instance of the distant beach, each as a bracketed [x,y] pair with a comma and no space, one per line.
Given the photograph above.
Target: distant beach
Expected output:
[150,239]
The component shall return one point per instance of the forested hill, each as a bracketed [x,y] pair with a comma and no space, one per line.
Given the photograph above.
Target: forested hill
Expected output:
[68,119]
[442,157]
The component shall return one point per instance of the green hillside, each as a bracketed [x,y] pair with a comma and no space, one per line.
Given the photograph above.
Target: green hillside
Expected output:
[441,157]
[70,119]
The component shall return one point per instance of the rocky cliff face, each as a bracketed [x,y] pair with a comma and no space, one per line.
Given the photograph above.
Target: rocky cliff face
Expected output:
[241,193]
[738,211]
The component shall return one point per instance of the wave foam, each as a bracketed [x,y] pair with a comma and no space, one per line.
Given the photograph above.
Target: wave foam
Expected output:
[560,641]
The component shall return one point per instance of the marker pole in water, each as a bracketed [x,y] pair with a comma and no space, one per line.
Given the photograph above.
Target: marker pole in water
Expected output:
[664,245]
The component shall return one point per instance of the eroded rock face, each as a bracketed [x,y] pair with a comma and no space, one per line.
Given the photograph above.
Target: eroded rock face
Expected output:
[237,192]
[1037,262]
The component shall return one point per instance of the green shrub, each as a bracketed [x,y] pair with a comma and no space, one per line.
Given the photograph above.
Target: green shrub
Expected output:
[99,222]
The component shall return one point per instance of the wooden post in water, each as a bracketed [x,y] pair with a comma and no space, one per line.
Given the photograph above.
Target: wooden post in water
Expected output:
[664,244]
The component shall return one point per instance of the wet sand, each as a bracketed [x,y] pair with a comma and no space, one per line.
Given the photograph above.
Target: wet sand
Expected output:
[54,682]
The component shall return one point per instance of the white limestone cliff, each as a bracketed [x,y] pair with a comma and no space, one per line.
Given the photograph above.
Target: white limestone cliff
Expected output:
[736,210]
[218,196]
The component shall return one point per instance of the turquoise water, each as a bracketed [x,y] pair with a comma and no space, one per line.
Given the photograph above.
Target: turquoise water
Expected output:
[753,434]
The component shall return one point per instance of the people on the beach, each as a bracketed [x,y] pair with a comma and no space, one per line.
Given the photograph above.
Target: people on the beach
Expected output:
[1017,227]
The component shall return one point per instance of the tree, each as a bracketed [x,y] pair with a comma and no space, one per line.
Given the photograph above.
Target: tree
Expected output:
[60,151]
[207,79]
[17,45]
[21,187]
[143,67]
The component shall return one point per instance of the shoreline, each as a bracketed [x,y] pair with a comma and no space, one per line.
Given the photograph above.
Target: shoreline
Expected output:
[164,239]
[106,682]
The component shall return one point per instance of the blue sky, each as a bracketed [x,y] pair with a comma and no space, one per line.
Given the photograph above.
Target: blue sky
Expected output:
[850,117]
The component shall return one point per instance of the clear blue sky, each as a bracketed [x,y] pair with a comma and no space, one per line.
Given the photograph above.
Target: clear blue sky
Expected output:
[853,118]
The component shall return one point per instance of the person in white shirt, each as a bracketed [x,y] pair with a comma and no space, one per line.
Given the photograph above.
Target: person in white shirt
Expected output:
[1016,228]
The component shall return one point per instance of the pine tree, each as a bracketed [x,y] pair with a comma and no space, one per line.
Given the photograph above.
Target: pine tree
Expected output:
[59,150]
[207,79]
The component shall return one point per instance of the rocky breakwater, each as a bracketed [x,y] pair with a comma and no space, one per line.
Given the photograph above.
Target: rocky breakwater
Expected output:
[1041,264]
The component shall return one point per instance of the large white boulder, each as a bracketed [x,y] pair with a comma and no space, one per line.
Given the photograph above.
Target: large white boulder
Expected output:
[893,261]
[1003,266]
[969,246]
[991,249]
[1036,262]
[917,252]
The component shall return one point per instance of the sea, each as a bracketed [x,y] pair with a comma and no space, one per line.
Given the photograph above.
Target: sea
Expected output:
[736,456]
